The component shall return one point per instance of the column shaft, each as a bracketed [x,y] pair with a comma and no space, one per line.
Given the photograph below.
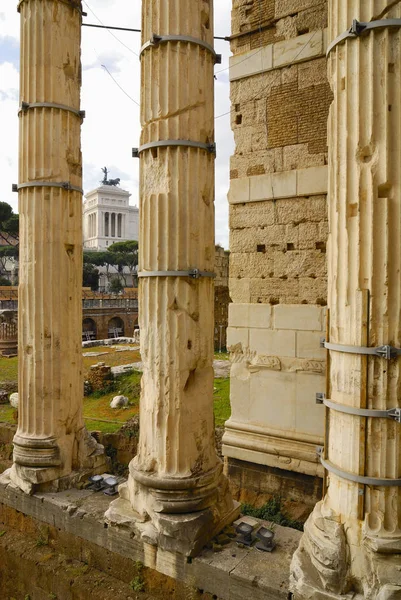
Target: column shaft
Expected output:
[177,469]
[48,442]
[364,262]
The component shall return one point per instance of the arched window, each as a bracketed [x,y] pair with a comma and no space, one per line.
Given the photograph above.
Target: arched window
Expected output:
[89,329]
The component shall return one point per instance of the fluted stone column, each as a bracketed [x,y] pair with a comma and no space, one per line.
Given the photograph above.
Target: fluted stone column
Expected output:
[352,541]
[51,443]
[176,479]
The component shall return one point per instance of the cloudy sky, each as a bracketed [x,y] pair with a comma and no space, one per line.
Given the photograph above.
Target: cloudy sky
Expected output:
[111,127]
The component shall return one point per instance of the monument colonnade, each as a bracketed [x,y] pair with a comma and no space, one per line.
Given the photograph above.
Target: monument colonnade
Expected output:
[176,480]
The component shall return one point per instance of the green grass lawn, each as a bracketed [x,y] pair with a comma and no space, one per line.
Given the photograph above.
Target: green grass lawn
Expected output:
[224,355]
[221,401]
[8,369]
[96,407]
[9,366]
[7,414]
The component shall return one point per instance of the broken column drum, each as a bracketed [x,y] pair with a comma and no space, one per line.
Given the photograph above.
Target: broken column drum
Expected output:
[352,541]
[176,479]
[51,441]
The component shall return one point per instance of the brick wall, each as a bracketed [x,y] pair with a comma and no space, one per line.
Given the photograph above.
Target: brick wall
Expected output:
[280,101]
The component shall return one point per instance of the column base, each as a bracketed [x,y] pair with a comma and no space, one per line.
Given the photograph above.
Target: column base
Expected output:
[183,519]
[34,472]
[324,566]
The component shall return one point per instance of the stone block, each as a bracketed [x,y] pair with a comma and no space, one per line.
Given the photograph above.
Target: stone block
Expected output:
[312,181]
[239,190]
[251,264]
[308,344]
[255,214]
[237,335]
[240,392]
[276,185]
[312,73]
[273,399]
[309,416]
[298,49]
[240,290]
[313,290]
[298,317]
[238,315]
[251,63]
[260,316]
[273,342]
[302,209]
[274,290]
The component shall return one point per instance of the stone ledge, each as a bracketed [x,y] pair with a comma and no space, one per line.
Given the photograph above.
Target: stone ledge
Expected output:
[312,181]
[290,451]
[278,55]
[232,574]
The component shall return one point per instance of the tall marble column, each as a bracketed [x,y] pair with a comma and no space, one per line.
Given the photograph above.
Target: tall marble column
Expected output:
[176,479]
[352,541]
[51,443]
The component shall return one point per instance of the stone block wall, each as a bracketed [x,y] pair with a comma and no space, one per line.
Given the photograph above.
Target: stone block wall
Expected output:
[278,231]
[277,368]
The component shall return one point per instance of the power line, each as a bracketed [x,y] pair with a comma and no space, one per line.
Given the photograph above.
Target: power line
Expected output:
[103,26]
[118,85]
[108,27]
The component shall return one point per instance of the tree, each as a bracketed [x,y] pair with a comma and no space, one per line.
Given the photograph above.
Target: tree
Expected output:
[126,255]
[115,285]
[90,276]
[118,257]
[7,253]
[9,224]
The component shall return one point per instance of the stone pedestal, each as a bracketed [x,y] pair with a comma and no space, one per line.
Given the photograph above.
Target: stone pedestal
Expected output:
[51,446]
[176,479]
[352,541]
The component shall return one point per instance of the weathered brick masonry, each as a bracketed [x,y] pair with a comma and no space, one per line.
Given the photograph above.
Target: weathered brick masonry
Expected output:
[278,230]
[279,120]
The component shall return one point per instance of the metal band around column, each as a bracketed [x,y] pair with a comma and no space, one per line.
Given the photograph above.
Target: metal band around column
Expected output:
[375,481]
[166,143]
[193,273]
[359,28]
[155,40]
[65,185]
[25,106]
[387,352]
[391,413]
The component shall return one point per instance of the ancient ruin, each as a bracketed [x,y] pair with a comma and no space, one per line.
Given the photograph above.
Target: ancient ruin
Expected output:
[314,391]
